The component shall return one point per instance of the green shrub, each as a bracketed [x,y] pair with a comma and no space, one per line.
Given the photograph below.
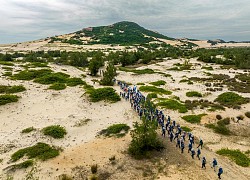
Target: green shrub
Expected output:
[142,71]
[225,121]
[152,95]
[11,89]
[158,83]
[7,74]
[219,117]
[24,164]
[40,150]
[207,68]
[186,129]
[220,129]
[140,84]
[75,82]
[6,63]
[94,169]
[247,114]
[118,130]
[101,94]
[52,78]
[144,139]
[5,99]
[193,94]
[55,131]
[236,155]
[28,130]
[57,86]
[154,90]
[231,99]
[31,74]
[172,104]
[193,118]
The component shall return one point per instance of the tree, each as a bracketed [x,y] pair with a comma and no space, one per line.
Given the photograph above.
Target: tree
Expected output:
[94,65]
[144,139]
[109,75]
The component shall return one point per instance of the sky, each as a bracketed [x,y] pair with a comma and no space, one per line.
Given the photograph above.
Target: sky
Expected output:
[24,20]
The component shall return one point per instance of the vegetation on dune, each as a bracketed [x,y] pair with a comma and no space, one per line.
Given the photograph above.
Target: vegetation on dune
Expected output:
[158,83]
[118,130]
[11,89]
[57,86]
[154,89]
[109,75]
[152,95]
[52,78]
[144,139]
[193,94]
[247,114]
[186,129]
[40,150]
[5,63]
[172,104]
[231,99]
[7,98]
[210,68]
[137,71]
[106,94]
[236,155]
[75,82]
[31,74]
[28,130]
[193,118]
[202,104]
[55,131]
[221,127]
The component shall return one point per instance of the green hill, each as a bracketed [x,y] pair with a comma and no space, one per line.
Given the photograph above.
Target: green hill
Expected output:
[123,33]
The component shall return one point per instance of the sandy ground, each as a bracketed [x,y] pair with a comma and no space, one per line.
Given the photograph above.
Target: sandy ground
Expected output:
[40,107]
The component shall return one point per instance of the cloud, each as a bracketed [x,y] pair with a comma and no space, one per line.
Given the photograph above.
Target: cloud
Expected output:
[23,20]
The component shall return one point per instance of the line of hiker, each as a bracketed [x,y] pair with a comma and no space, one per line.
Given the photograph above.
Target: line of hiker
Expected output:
[145,108]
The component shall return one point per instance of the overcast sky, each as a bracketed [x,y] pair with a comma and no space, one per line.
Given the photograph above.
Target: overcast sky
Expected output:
[23,20]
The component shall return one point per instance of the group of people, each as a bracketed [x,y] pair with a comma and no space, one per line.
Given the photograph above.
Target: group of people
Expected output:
[145,108]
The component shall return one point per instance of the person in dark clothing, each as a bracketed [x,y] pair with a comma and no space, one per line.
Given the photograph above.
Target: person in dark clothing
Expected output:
[190,147]
[203,163]
[198,153]
[182,146]
[200,143]
[178,143]
[192,153]
[171,136]
[214,164]
[220,172]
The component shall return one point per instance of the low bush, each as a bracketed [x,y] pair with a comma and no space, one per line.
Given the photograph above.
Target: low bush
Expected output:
[106,94]
[225,121]
[5,99]
[58,86]
[6,63]
[140,84]
[247,114]
[75,82]
[117,130]
[11,89]
[219,117]
[193,118]
[231,99]
[172,104]
[40,150]
[53,78]
[94,169]
[142,71]
[219,128]
[28,130]
[31,74]
[154,89]
[55,131]
[236,155]
[158,83]
[186,129]
[152,95]
[24,164]
[207,68]
[193,94]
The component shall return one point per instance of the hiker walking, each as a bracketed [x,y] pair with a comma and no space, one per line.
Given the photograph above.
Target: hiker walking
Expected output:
[220,172]
[190,146]
[198,153]
[163,131]
[182,146]
[171,136]
[192,153]
[214,164]
[203,163]
[178,143]
[200,144]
